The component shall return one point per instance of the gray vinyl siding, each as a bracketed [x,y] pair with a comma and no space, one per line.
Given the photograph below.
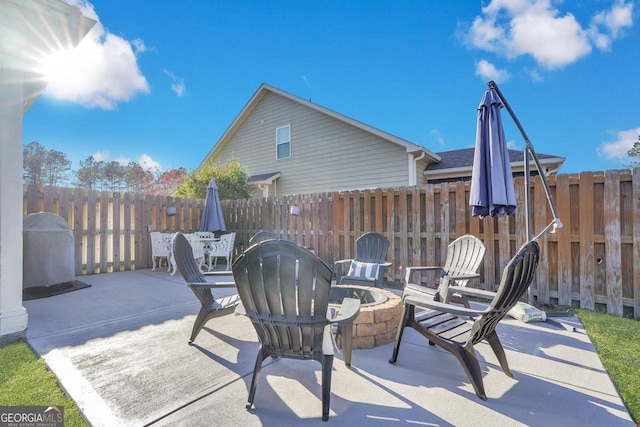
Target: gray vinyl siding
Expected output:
[326,153]
[421,179]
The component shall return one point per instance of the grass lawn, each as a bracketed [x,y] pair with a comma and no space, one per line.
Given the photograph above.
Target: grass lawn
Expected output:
[617,341]
[26,381]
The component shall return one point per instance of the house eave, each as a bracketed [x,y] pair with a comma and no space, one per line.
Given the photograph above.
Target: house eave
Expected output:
[551,166]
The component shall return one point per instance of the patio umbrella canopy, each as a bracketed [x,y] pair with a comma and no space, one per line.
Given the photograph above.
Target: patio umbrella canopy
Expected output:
[212,219]
[492,191]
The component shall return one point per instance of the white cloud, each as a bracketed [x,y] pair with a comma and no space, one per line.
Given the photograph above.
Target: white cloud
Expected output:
[512,145]
[149,164]
[513,28]
[101,156]
[436,134]
[124,161]
[488,71]
[607,26]
[177,83]
[139,46]
[144,160]
[618,148]
[100,72]
[534,74]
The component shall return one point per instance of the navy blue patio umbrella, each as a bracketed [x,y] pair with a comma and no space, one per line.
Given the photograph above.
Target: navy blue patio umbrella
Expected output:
[212,219]
[492,191]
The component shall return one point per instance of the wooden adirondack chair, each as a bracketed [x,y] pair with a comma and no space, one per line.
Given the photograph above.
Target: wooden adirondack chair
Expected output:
[450,327]
[464,256]
[369,264]
[196,281]
[285,292]
[260,236]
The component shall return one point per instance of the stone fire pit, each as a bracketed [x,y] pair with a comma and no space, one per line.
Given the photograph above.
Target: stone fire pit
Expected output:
[379,315]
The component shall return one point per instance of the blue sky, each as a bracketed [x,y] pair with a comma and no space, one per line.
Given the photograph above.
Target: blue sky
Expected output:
[159,82]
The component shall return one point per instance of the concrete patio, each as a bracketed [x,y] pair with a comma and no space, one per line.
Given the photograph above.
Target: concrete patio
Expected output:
[119,348]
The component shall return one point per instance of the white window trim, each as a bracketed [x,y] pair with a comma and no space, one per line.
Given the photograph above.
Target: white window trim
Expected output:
[279,143]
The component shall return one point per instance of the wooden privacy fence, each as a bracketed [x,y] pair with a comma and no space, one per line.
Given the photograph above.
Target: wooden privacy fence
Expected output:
[111,230]
[592,262]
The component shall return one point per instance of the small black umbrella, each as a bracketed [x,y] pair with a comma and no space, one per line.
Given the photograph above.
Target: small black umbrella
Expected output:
[492,191]
[212,219]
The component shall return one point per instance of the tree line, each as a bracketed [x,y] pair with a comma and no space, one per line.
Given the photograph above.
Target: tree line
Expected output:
[42,166]
[634,154]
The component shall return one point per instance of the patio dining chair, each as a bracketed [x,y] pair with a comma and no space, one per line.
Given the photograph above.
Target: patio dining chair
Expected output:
[197,246]
[196,281]
[458,329]
[160,248]
[369,264]
[222,248]
[284,290]
[464,256]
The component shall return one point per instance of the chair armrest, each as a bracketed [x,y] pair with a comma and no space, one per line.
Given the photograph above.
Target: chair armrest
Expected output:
[428,268]
[382,267]
[410,270]
[341,268]
[349,310]
[426,302]
[212,285]
[463,276]
[478,293]
[218,273]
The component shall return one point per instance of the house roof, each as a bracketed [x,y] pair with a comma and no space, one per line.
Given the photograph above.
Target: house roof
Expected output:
[263,178]
[265,88]
[460,163]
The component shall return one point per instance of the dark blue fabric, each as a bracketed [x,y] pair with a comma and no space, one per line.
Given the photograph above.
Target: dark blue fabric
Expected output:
[492,192]
[212,219]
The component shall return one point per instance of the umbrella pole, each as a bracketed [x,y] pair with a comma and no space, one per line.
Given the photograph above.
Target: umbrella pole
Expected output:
[529,151]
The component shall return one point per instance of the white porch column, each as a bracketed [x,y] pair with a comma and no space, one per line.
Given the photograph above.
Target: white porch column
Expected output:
[13,316]
[28,30]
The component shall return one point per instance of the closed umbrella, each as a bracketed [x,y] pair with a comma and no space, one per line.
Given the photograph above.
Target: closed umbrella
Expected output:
[492,191]
[212,219]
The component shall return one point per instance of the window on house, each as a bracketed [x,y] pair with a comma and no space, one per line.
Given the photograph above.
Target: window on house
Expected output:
[283,142]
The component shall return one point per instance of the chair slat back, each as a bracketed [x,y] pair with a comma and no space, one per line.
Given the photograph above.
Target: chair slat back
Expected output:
[260,236]
[516,278]
[372,247]
[285,292]
[183,254]
[464,256]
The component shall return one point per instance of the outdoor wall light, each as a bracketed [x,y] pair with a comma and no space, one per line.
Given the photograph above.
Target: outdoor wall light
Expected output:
[171,210]
[295,210]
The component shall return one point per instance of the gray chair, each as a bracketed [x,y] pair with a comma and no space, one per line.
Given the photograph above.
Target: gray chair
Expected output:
[196,281]
[450,327]
[284,290]
[464,256]
[368,267]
